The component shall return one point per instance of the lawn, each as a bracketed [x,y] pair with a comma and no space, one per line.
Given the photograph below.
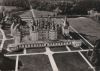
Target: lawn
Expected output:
[58,48]
[70,62]
[35,63]
[86,27]
[36,50]
[7,63]
[73,48]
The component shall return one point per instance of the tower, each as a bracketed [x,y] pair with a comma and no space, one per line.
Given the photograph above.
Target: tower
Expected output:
[65,27]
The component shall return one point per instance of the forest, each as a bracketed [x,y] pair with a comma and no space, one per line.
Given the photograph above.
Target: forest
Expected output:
[71,7]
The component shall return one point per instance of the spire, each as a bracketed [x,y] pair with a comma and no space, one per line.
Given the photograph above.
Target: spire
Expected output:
[3,11]
[66,21]
[32,11]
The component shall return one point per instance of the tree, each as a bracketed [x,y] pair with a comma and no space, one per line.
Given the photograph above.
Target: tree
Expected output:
[82,7]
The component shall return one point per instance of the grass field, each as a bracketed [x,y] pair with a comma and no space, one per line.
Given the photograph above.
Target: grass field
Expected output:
[35,63]
[7,63]
[36,50]
[70,62]
[86,27]
[58,48]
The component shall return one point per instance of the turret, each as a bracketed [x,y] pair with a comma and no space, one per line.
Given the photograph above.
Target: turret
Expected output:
[3,11]
[65,27]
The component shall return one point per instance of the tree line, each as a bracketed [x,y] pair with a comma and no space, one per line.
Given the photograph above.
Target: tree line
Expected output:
[18,3]
[72,8]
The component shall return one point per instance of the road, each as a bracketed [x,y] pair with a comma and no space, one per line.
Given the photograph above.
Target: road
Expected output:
[3,40]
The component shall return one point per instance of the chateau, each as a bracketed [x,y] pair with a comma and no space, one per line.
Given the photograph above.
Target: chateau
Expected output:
[42,29]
